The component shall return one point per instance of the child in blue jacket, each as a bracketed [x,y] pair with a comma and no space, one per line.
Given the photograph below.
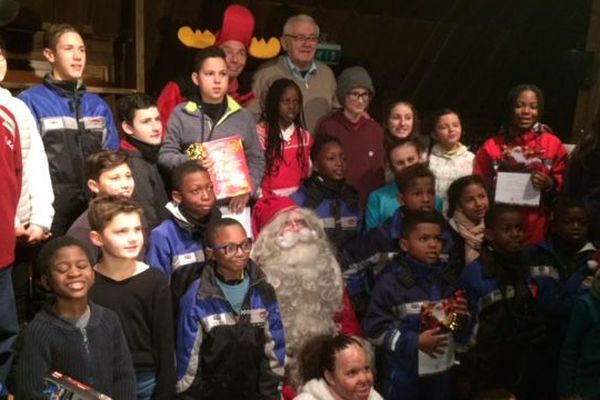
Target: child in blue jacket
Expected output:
[507,332]
[327,193]
[417,357]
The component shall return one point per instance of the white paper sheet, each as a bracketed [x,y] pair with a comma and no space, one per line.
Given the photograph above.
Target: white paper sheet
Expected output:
[516,188]
[243,218]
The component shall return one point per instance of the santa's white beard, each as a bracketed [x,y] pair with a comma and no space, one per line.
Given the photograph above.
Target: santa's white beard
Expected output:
[308,283]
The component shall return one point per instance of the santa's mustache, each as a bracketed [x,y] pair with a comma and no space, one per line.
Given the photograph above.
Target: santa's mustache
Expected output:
[290,239]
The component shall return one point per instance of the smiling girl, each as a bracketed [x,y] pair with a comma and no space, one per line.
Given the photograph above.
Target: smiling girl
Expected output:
[525,145]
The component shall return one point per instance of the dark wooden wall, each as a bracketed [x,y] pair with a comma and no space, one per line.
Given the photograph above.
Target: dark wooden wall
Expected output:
[465,54]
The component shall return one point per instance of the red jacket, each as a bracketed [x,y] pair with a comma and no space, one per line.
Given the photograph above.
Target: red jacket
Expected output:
[10,175]
[533,151]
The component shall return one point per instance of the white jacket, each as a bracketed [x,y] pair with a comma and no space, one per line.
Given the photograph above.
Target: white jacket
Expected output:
[448,167]
[316,389]
[35,203]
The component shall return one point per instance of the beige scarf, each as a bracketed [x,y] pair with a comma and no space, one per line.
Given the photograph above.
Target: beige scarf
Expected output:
[473,235]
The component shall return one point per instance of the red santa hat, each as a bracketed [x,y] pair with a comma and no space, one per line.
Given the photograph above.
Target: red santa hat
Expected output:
[267,208]
[238,24]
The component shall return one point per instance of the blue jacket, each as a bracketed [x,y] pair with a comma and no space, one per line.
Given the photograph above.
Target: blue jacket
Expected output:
[560,280]
[176,242]
[393,322]
[364,257]
[507,332]
[336,207]
[73,124]
[224,355]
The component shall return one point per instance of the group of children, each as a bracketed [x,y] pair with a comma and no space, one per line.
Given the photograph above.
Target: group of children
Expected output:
[161,298]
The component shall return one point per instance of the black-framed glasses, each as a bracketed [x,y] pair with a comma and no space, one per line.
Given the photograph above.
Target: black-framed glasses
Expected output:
[230,249]
[365,96]
[303,39]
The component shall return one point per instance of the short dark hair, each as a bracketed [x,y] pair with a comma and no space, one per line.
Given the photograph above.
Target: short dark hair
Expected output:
[209,52]
[411,173]
[457,187]
[319,353]
[565,203]
[320,142]
[103,209]
[54,32]
[46,256]
[394,143]
[103,160]
[496,211]
[183,170]
[412,219]
[128,105]
[213,229]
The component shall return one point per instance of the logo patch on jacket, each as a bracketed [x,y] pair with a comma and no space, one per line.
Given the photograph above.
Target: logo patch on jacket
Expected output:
[94,123]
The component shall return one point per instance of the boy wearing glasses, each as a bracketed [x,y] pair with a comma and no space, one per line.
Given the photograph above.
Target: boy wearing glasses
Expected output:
[230,341]
[361,137]
[316,80]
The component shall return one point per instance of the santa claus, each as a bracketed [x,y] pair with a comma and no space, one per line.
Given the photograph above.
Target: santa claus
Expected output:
[300,263]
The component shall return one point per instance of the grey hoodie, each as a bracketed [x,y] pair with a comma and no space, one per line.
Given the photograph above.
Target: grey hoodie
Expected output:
[188,124]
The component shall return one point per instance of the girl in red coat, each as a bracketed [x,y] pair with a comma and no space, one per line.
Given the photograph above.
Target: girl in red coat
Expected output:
[526,145]
[284,140]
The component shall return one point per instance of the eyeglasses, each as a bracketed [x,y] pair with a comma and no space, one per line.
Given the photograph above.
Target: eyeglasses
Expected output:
[230,249]
[303,39]
[364,96]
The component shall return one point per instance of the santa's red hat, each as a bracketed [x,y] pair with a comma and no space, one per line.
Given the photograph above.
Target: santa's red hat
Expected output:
[267,208]
[238,24]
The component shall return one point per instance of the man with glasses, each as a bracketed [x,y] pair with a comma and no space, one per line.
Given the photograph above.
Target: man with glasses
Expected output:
[316,80]
[230,341]
[361,137]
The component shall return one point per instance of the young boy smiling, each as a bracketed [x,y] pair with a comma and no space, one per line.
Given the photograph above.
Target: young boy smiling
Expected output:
[137,293]
[108,174]
[230,342]
[72,335]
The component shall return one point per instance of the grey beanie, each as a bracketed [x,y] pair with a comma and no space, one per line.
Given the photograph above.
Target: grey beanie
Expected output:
[351,78]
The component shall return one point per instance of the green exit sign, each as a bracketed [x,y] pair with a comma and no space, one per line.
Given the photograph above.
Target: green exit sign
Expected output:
[329,53]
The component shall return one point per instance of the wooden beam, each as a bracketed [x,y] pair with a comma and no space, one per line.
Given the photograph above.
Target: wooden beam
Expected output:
[140,70]
[588,100]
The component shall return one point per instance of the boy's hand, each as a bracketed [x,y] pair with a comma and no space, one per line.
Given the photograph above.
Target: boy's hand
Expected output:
[541,181]
[432,342]
[238,203]
[36,235]
[207,163]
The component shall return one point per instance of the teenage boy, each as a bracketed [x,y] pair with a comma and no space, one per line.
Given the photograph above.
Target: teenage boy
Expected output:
[73,335]
[383,202]
[327,193]
[507,332]
[73,123]
[394,319]
[178,241]
[139,294]
[140,121]
[107,173]
[230,342]
[364,257]
[215,115]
